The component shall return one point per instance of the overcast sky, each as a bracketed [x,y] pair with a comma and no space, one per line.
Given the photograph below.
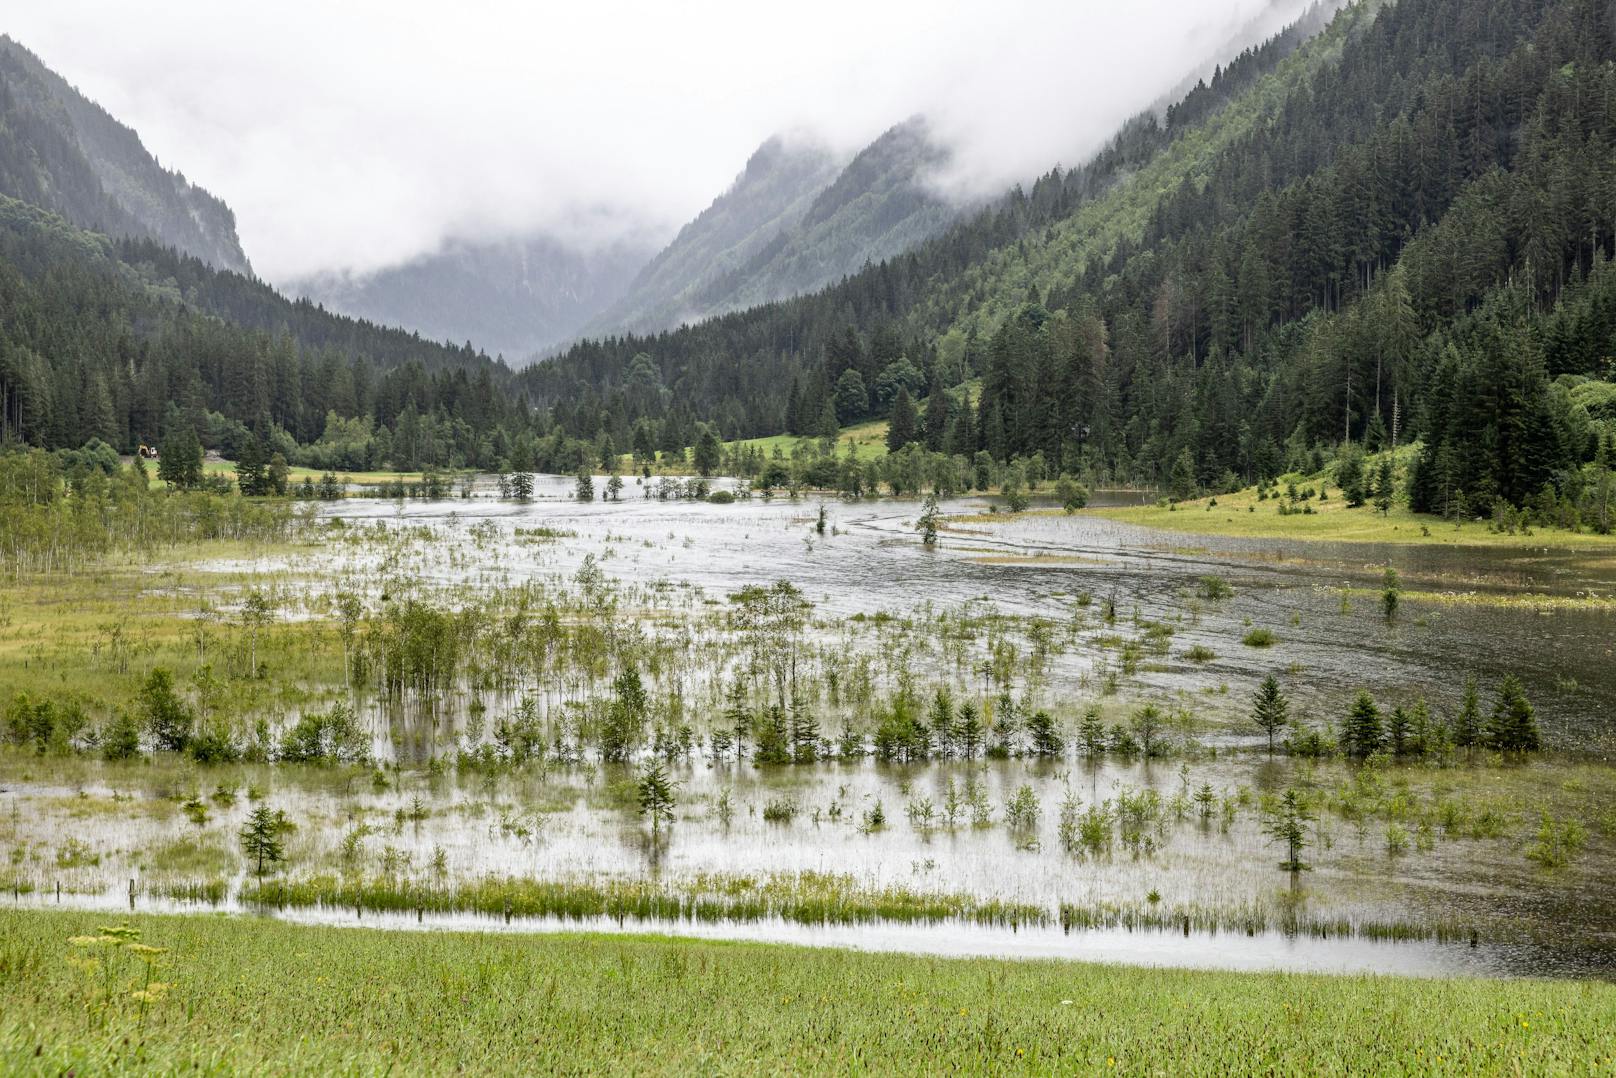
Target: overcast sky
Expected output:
[358,134]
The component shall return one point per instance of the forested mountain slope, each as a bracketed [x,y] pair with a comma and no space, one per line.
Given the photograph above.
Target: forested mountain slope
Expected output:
[1400,228]
[63,152]
[125,340]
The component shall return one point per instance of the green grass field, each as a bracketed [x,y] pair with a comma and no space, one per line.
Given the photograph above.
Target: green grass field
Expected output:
[297,473]
[238,994]
[870,438]
[1242,515]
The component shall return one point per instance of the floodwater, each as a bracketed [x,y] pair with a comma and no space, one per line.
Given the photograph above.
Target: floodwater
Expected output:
[1268,950]
[572,823]
[1034,566]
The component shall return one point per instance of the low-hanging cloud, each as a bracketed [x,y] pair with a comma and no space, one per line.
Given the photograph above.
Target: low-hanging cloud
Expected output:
[353,136]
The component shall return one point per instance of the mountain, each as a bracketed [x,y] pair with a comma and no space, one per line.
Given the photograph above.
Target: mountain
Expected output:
[516,297]
[767,200]
[124,339]
[1399,228]
[62,152]
[795,220]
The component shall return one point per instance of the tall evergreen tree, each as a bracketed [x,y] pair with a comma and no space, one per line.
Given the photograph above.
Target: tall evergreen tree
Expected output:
[1361,734]
[1513,724]
[1270,710]
[901,430]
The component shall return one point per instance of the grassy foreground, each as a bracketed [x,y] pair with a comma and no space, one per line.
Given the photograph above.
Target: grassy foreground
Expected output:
[241,994]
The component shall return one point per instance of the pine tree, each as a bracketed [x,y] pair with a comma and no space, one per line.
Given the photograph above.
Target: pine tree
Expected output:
[804,733]
[585,489]
[1513,725]
[1398,729]
[1288,824]
[773,737]
[1349,474]
[1425,735]
[1047,742]
[1270,710]
[738,716]
[261,839]
[1182,484]
[179,459]
[655,793]
[827,427]
[940,717]
[709,451]
[1091,733]
[1361,735]
[969,728]
[1467,726]
[901,429]
[1385,485]
[251,476]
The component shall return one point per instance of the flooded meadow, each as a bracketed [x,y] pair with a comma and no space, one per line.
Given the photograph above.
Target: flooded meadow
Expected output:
[1034,739]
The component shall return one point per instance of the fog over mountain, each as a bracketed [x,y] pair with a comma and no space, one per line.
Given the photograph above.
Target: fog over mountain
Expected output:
[797,218]
[403,130]
[64,153]
[512,297]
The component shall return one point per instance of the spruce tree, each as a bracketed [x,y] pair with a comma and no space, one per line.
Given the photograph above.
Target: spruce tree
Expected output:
[739,717]
[655,795]
[1288,824]
[1091,733]
[1398,729]
[773,737]
[709,451]
[804,732]
[1513,725]
[251,475]
[1467,726]
[1349,475]
[1361,735]
[261,839]
[1047,742]
[1385,485]
[1270,710]
[901,429]
[940,717]
[969,728]
[179,459]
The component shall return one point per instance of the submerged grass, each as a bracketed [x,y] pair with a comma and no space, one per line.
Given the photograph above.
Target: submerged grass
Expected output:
[1258,917]
[808,898]
[811,898]
[249,995]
